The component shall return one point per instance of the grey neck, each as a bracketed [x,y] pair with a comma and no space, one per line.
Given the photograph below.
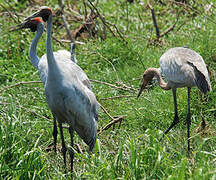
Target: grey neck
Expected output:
[50,56]
[33,48]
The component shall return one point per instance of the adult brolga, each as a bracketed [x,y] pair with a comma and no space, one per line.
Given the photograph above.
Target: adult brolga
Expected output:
[40,64]
[182,67]
[68,94]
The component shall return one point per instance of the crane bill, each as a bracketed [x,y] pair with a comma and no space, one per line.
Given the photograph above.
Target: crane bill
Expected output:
[36,14]
[141,89]
[44,12]
[18,27]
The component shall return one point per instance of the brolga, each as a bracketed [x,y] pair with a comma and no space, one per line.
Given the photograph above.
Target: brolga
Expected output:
[181,67]
[36,24]
[68,94]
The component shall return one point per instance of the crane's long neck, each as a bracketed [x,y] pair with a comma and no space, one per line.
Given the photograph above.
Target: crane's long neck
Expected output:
[50,56]
[161,82]
[72,51]
[33,51]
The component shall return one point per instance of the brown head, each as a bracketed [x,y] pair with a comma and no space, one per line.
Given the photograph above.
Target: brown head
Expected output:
[44,12]
[147,77]
[31,24]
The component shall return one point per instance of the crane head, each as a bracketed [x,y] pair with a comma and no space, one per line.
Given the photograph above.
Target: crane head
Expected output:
[31,24]
[147,77]
[44,12]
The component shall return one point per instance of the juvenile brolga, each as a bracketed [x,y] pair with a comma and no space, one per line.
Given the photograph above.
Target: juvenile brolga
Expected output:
[181,67]
[67,90]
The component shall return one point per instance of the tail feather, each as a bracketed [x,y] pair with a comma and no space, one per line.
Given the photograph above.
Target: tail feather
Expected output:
[201,81]
[92,142]
[88,134]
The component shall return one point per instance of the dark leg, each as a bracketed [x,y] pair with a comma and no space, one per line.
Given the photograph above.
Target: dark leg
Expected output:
[55,132]
[71,150]
[64,149]
[176,119]
[188,119]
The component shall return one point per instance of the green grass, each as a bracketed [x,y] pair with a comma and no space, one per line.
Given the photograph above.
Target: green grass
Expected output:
[132,151]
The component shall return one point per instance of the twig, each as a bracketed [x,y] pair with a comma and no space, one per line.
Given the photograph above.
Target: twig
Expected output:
[113,122]
[161,2]
[127,15]
[11,15]
[114,69]
[18,84]
[102,18]
[93,80]
[117,30]
[180,26]
[111,85]
[154,21]
[106,83]
[169,29]
[172,26]
[88,26]
[158,34]
[105,23]
[65,22]
[31,111]
[135,79]
[58,41]
[85,9]
[117,97]
[96,2]
[103,108]
[89,23]
[125,86]
[27,110]
[190,7]
[68,41]
[79,150]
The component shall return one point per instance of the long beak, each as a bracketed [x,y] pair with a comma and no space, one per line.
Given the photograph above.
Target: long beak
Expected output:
[36,14]
[141,89]
[18,27]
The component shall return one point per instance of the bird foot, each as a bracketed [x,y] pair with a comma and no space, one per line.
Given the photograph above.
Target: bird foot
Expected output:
[175,121]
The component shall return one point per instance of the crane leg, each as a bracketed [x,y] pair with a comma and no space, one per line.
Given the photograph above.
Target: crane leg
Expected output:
[55,132]
[188,120]
[71,130]
[64,149]
[176,119]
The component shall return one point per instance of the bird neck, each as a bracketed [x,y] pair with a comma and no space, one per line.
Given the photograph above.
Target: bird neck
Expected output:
[33,51]
[49,51]
[72,51]
[161,82]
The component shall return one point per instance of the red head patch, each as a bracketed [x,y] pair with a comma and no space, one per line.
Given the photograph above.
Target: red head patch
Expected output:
[38,19]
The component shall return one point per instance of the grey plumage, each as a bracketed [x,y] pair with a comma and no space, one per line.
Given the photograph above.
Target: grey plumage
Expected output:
[181,67]
[184,67]
[68,92]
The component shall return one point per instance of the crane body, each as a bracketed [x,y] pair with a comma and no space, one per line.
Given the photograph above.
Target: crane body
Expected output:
[67,88]
[181,67]
[69,100]
[72,102]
